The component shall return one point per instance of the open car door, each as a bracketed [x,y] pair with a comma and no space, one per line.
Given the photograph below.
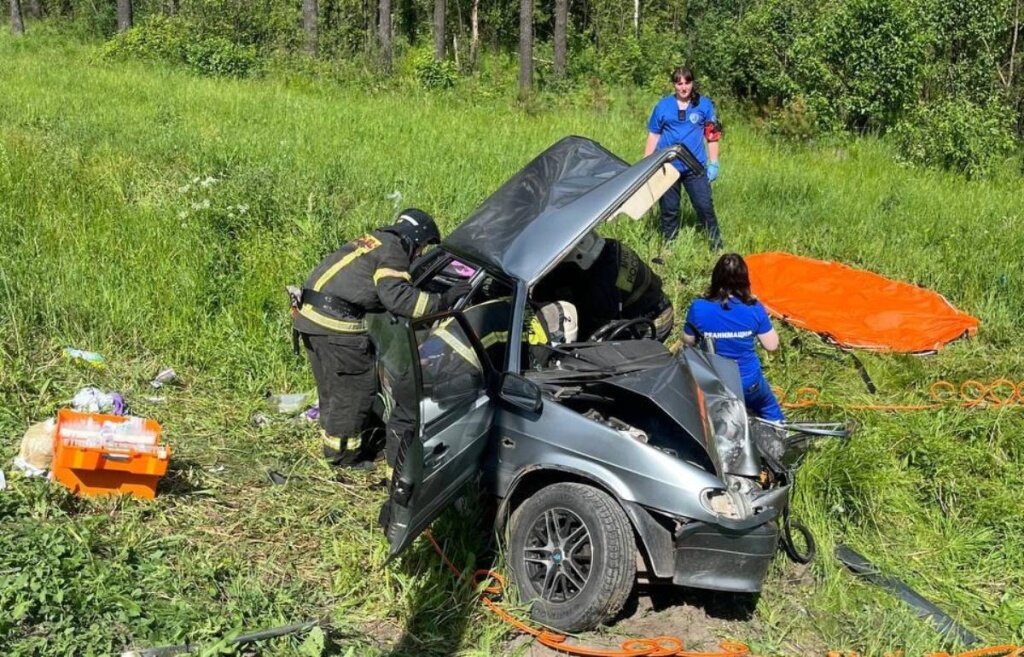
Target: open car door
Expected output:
[435,381]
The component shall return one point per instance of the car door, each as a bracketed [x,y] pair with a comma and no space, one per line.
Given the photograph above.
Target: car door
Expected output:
[435,380]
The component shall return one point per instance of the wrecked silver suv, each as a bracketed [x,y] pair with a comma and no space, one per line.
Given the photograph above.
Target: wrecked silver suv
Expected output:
[598,450]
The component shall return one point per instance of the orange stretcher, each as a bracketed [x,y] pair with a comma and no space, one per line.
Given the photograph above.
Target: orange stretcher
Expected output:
[854,308]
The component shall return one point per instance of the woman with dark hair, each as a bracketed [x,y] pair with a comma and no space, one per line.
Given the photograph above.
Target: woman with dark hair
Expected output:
[731,316]
[689,119]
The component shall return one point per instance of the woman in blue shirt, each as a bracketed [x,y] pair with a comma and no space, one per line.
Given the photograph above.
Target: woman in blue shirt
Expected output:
[689,119]
[733,317]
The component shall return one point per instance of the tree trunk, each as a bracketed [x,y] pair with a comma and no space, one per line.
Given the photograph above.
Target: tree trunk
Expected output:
[525,48]
[439,23]
[173,7]
[384,35]
[35,9]
[1013,46]
[310,15]
[561,18]
[474,33]
[124,15]
[17,23]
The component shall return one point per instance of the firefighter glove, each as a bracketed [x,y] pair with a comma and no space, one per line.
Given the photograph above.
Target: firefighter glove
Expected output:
[454,293]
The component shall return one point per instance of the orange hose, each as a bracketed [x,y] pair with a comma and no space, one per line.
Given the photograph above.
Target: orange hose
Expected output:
[1000,393]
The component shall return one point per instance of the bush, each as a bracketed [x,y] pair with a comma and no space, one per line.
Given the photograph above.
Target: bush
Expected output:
[957,134]
[157,39]
[174,40]
[219,56]
[873,53]
[435,74]
[794,120]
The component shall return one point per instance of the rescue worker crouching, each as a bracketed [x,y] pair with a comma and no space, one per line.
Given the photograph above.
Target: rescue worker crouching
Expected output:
[369,274]
[608,281]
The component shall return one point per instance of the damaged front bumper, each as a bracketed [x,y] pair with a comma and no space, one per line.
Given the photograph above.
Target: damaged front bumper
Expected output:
[723,554]
[710,556]
[731,554]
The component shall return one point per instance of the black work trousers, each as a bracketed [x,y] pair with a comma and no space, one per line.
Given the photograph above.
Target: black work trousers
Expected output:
[343,366]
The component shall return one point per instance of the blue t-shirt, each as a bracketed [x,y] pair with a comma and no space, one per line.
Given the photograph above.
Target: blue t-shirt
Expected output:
[689,131]
[734,331]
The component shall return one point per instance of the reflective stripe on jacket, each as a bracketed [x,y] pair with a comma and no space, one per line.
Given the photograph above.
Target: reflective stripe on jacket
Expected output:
[370,273]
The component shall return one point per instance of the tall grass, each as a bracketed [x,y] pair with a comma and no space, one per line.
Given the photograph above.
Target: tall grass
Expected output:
[156,217]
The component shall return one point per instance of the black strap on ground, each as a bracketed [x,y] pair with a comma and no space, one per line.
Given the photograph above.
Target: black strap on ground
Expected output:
[789,544]
[925,609]
[863,371]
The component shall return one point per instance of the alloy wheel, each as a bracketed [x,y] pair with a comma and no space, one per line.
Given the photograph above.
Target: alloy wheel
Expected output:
[558,555]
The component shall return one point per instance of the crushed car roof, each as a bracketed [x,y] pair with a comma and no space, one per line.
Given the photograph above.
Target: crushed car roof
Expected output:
[532,221]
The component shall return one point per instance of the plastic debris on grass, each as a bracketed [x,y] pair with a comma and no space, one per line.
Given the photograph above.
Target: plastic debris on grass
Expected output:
[288,403]
[164,377]
[94,400]
[90,357]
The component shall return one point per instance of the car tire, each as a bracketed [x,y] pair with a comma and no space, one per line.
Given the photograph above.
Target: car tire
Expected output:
[572,556]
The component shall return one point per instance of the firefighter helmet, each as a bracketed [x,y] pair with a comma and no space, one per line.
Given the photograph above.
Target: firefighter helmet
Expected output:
[417,227]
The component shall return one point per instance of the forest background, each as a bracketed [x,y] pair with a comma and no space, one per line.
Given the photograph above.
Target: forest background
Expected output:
[943,77]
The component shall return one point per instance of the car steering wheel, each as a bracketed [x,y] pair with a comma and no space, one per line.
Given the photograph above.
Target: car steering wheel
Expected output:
[638,328]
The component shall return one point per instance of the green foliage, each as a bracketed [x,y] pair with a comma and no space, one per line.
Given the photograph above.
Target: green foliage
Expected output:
[266,25]
[435,73]
[172,40]
[857,65]
[957,134]
[794,120]
[219,56]
[158,38]
[873,53]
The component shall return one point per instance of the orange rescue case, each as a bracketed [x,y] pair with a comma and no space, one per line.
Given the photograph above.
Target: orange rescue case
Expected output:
[118,468]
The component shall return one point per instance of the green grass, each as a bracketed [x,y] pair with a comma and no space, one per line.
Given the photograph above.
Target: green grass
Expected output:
[156,217]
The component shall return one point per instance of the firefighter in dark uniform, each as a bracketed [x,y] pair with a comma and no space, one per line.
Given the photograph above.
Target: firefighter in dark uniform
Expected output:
[607,281]
[369,274]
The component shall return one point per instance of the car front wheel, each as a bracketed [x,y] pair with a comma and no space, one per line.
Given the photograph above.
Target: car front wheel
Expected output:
[572,555]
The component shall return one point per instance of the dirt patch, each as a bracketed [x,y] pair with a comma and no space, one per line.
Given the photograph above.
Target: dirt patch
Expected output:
[700,619]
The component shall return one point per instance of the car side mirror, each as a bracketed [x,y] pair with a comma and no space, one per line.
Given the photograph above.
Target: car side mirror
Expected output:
[520,392]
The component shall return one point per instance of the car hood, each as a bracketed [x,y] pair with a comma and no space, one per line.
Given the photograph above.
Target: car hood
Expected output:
[532,221]
[700,392]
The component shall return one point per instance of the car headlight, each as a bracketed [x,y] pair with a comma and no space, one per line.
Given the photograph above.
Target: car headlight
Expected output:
[724,503]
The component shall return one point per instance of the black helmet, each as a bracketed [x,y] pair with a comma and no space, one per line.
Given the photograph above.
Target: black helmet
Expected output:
[417,227]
